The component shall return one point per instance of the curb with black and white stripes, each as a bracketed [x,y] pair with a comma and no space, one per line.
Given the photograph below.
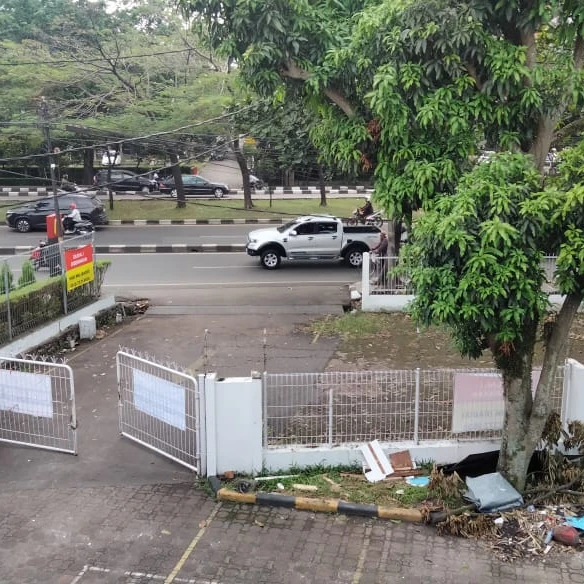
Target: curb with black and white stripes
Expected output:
[167,222]
[144,248]
[15,192]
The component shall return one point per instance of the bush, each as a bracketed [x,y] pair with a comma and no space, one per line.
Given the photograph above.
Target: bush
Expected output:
[6,278]
[27,276]
[38,303]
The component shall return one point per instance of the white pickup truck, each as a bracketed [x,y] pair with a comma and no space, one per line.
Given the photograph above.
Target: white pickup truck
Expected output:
[313,237]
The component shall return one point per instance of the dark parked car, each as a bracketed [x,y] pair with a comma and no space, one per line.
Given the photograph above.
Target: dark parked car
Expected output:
[195,186]
[123,180]
[34,215]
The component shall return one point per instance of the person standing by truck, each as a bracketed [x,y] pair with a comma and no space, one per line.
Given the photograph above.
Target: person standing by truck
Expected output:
[379,253]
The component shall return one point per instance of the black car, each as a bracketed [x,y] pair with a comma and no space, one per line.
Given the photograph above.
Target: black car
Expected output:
[123,180]
[34,215]
[195,186]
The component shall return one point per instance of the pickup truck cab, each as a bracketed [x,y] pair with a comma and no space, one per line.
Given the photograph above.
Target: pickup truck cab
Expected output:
[312,237]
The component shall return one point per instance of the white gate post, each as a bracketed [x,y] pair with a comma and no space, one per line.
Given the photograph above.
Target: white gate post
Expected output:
[209,397]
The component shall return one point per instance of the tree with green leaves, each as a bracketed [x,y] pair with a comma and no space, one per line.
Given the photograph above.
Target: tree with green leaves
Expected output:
[475,263]
[411,89]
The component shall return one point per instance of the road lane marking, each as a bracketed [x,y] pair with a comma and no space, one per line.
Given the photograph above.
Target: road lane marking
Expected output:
[293,284]
[192,545]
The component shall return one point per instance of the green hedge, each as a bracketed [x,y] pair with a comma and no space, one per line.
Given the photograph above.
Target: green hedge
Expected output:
[42,302]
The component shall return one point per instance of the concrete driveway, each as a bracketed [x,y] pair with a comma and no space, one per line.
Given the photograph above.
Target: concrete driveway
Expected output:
[119,513]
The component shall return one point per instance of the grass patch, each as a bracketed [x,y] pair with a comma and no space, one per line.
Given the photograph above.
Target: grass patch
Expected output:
[346,483]
[227,209]
[348,325]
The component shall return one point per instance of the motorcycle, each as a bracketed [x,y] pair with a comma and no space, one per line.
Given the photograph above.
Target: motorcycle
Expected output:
[82,227]
[46,255]
[375,219]
[256,184]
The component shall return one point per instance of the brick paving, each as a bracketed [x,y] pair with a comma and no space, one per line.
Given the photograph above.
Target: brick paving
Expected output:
[138,534]
[118,513]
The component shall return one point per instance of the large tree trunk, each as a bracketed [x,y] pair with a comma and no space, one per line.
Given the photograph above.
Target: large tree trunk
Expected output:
[242,163]
[322,186]
[88,171]
[525,417]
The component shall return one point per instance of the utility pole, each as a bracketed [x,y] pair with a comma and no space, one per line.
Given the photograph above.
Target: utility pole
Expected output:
[44,110]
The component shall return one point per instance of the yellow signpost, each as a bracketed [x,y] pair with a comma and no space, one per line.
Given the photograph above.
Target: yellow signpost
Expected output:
[79,266]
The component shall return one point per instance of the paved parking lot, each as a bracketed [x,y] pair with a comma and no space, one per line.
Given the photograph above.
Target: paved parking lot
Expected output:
[118,513]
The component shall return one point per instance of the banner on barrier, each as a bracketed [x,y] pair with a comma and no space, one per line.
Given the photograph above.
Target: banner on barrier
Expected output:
[79,266]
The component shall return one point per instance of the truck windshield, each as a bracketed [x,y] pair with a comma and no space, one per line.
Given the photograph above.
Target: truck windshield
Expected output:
[286,226]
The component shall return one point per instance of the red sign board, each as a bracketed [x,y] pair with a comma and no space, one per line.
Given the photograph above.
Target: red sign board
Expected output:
[79,266]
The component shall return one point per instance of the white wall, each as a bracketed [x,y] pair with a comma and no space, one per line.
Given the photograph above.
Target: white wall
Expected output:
[233,425]
[441,452]
[573,402]
[379,302]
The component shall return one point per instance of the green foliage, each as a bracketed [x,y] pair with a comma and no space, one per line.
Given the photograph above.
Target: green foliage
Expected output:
[476,256]
[41,302]
[6,278]
[27,275]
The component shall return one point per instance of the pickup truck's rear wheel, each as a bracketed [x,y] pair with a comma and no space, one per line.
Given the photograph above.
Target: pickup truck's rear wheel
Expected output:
[270,259]
[354,257]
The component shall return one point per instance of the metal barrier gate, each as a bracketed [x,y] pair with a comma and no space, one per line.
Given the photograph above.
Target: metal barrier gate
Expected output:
[37,404]
[159,407]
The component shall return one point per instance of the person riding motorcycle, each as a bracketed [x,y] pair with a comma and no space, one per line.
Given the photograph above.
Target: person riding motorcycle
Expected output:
[71,219]
[365,210]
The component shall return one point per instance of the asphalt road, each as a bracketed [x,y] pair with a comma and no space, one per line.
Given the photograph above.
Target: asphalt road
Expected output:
[153,234]
[229,271]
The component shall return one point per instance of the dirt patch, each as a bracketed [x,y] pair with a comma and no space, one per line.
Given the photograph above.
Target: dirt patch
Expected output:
[402,345]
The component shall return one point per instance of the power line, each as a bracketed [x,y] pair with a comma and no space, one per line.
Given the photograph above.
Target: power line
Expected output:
[95,60]
[122,141]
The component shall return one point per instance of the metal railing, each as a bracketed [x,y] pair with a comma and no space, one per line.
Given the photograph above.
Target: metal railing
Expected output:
[159,407]
[333,408]
[383,279]
[37,404]
[33,290]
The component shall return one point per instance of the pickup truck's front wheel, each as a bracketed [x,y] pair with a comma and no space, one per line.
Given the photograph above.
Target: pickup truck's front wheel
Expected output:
[354,257]
[270,259]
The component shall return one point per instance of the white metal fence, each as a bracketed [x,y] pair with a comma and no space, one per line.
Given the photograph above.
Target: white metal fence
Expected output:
[383,280]
[335,408]
[23,306]
[159,407]
[37,404]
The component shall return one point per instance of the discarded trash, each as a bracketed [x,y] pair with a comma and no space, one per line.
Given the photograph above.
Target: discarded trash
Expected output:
[531,509]
[577,522]
[566,534]
[306,488]
[399,492]
[379,464]
[499,521]
[491,493]
[280,486]
[335,487]
[418,481]
[273,478]
[401,460]
[548,537]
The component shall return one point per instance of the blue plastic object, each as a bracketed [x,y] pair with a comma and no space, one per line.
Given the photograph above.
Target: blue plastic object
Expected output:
[577,522]
[418,481]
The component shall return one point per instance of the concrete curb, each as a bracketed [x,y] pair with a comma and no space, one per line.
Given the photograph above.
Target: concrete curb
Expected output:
[142,222]
[315,505]
[353,191]
[144,248]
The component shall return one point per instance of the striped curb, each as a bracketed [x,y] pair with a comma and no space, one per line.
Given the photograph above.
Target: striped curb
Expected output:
[342,190]
[316,505]
[142,222]
[144,248]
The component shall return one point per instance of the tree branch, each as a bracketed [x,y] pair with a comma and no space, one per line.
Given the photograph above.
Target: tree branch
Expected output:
[579,51]
[293,71]
[553,353]
[472,71]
